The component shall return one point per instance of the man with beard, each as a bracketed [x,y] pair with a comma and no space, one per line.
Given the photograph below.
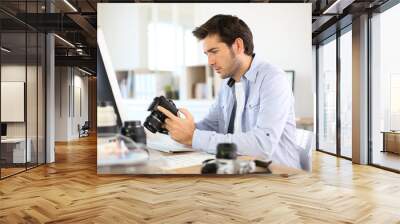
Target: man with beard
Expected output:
[255,106]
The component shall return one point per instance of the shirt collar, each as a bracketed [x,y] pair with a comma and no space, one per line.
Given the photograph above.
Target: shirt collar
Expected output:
[251,73]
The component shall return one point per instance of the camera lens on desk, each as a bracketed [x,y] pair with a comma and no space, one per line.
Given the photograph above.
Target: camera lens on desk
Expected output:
[226,151]
[135,131]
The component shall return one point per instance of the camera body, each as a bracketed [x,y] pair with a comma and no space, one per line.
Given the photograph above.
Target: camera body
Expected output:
[156,119]
[226,163]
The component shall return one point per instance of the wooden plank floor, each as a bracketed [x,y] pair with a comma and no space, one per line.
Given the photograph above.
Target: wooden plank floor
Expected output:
[70,191]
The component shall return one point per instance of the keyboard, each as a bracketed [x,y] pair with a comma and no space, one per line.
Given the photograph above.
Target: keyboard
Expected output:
[181,161]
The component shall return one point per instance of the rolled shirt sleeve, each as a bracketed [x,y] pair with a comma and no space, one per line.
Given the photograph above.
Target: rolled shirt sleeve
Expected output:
[210,122]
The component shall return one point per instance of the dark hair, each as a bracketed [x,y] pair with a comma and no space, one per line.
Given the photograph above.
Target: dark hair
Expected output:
[228,28]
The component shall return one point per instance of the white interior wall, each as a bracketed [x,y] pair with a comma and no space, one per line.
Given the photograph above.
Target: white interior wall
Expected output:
[68,83]
[61,103]
[121,19]
[13,73]
[34,124]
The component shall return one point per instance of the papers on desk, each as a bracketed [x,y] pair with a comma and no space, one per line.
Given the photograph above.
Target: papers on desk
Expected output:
[116,153]
[187,160]
[168,147]
[165,143]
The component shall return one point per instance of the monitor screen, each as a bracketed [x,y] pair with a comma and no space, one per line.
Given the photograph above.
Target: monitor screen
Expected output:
[107,79]
[3,129]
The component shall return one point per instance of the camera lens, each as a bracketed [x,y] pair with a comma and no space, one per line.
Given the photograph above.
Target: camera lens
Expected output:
[152,123]
[135,131]
[133,123]
[226,151]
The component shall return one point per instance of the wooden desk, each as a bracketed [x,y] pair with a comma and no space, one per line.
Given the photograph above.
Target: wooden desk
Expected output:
[275,169]
[391,141]
[16,154]
[158,164]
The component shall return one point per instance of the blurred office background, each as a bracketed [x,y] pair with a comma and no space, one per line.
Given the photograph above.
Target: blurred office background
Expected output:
[154,52]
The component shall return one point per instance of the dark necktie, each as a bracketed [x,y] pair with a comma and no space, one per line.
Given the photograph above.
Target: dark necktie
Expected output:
[231,125]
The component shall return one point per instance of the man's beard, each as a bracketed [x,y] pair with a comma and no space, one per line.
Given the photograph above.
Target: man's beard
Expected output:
[235,65]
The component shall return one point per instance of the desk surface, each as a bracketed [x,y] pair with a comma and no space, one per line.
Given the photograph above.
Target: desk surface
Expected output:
[13,140]
[158,163]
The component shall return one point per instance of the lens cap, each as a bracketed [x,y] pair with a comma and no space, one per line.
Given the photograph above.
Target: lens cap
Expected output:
[226,151]
[134,123]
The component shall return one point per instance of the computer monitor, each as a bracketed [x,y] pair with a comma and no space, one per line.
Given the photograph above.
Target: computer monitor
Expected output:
[3,129]
[107,84]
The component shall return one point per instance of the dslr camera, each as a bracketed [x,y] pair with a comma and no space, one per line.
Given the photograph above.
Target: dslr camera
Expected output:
[226,162]
[156,119]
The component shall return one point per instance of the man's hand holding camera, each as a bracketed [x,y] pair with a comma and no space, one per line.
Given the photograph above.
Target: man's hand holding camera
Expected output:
[180,129]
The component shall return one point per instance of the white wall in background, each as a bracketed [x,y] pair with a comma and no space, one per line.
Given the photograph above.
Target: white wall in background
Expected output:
[120,23]
[71,103]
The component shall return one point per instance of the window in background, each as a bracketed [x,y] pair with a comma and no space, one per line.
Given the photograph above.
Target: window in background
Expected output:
[395,102]
[165,46]
[22,65]
[327,97]
[15,149]
[346,94]
[191,49]
[41,107]
[385,84]
[31,96]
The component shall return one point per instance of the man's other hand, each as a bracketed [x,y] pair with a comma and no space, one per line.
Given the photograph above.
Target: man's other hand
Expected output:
[180,129]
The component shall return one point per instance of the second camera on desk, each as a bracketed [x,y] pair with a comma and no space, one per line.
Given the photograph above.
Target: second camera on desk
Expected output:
[226,162]
[135,131]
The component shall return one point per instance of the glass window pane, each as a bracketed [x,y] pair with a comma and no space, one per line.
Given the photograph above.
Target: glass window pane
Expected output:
[13,86]
[41,98]
[386,89]
[346,94]
[327,97]
[31,97]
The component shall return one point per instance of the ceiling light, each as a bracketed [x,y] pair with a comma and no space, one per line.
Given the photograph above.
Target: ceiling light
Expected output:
[338,6]
[84,71]
[65,41]
[5,50]
[70,5]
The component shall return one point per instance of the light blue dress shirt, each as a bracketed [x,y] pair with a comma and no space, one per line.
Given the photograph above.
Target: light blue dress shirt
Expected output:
[268,118]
